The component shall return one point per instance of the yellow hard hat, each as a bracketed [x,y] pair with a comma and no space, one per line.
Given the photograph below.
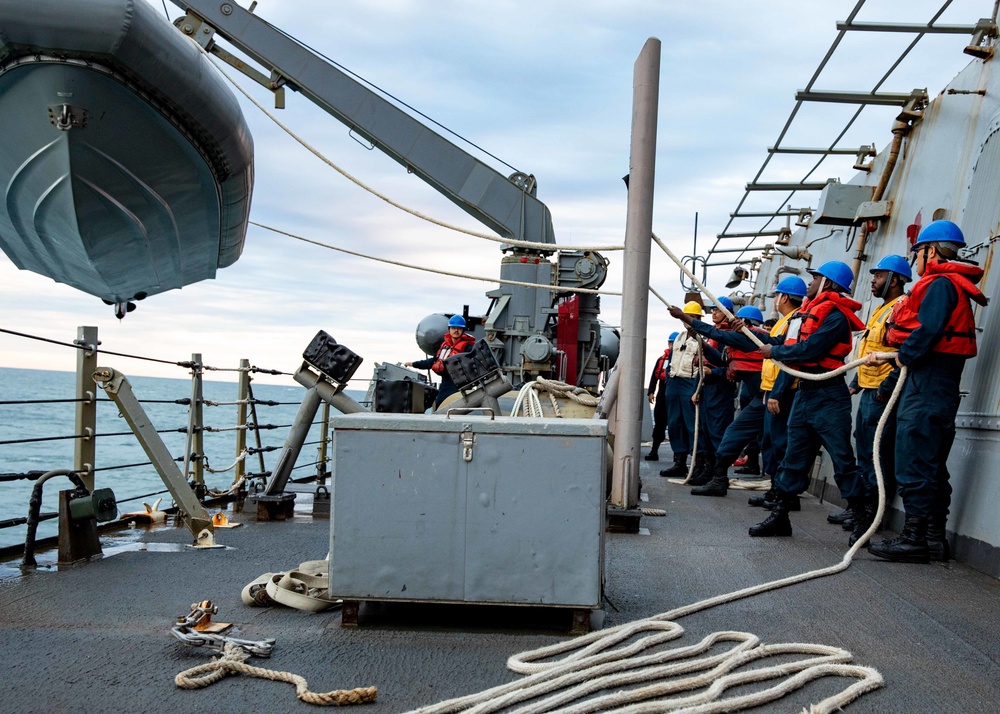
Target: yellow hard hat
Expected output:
[692,308]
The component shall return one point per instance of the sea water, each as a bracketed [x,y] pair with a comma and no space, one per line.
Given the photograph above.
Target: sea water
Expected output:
[21,422]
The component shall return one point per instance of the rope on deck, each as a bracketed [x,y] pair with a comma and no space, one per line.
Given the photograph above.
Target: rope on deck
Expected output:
[233,661]
[607,660]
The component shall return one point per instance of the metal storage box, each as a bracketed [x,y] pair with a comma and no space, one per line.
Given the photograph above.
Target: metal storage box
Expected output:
[468,509]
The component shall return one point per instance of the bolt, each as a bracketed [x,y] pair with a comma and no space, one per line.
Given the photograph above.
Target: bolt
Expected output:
[227,9]
[187,29]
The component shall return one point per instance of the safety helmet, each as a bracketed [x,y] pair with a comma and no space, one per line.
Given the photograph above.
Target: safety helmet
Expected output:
[944,231]
[457,321]
[692,308]
[673,336]
[792,285]
[749,312]
[896,264]
[725,302]
[837,272]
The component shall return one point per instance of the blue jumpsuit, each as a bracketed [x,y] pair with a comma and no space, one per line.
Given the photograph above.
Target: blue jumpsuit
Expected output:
[749,423]
[718,401]
[820,414]
[925,415]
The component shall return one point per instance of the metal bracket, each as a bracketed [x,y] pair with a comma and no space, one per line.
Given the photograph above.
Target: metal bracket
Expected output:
[203,33]
[468,439]
[120,391]
[913,109]
[65,117]
[980,47]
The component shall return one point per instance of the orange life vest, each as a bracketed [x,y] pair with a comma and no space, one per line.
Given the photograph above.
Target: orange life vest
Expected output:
[741,361]
[449,348]
[959,337]
[813,313]
[661,365]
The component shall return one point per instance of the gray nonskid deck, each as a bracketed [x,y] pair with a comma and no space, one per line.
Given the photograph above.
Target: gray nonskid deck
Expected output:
[95,636]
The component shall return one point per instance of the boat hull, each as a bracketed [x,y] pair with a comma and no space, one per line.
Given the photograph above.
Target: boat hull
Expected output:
[120,178]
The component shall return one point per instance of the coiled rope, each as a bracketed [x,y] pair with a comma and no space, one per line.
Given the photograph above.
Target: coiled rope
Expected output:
[612,658]
[529,404]
[233,661]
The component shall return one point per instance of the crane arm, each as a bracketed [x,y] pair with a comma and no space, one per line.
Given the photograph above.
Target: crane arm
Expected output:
[503,205]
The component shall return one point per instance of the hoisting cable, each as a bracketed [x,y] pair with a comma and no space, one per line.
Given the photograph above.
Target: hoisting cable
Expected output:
[557,288]
[609,659]
[531,245]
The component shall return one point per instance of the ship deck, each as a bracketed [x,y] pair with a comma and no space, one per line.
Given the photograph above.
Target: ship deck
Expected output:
[95,636]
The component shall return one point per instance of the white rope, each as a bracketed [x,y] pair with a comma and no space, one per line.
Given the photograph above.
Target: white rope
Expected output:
[436,271]
[319,155]
[529,404]
[239,459]
[610,659]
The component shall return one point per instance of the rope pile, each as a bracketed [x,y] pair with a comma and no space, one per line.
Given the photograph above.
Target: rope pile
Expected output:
[233,661]
[529,404]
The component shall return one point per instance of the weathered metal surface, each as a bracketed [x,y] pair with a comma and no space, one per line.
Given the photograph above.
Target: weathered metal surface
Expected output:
[428,508]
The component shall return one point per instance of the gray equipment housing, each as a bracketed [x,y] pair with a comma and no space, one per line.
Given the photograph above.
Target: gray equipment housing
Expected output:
[468,509]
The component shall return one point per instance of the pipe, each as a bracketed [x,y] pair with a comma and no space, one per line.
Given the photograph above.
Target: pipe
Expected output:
[35,506]
[899,130]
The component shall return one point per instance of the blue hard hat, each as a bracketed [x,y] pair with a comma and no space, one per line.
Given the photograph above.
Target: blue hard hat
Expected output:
[792,285]
[726,302]
[837,272]
[896,264]
[935,231]
[749,312]
[457,321]
[673,336]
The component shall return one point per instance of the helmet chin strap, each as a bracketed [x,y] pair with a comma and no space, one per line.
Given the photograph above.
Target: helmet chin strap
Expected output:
[885,286]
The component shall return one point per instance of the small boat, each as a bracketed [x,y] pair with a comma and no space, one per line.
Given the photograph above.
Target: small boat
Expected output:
[126,163]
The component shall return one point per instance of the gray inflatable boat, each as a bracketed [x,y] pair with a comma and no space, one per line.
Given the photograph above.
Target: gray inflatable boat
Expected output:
[125,162]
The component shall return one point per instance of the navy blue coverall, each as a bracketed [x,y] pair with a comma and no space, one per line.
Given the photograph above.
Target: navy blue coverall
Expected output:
[680,411]
[718,400]
[925,415]
[820,414]
[749,423]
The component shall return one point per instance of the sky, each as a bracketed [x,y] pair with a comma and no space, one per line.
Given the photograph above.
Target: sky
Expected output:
[545,86]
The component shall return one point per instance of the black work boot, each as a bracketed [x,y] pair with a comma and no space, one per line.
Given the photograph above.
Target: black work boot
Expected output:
[702,471]
[654,452]
[718,485]
[679,469]
[864,508]
[909,547]
[776,523]
[792,503]
[840,518]
[937,538]
[759,501]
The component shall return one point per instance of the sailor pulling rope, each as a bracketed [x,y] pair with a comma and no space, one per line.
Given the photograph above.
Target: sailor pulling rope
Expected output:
[612,658]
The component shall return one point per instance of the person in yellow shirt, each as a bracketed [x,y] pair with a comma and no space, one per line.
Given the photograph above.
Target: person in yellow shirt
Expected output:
[889,278]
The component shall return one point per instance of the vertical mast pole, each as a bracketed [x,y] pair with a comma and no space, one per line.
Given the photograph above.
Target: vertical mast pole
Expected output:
[635,289]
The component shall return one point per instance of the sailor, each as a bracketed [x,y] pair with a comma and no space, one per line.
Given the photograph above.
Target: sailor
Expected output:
[684,376]
[744,367]
[657,395]
[718,396]
[889,278]
[935,329]
[750,422]
[817,342]
[778,389]
[455,342]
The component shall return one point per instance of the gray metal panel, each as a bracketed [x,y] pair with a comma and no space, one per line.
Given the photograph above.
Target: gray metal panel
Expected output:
[480,424]
[521,522]
[390,494]
[535,520]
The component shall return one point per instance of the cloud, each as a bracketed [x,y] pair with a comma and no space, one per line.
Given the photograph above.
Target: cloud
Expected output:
[546,87]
